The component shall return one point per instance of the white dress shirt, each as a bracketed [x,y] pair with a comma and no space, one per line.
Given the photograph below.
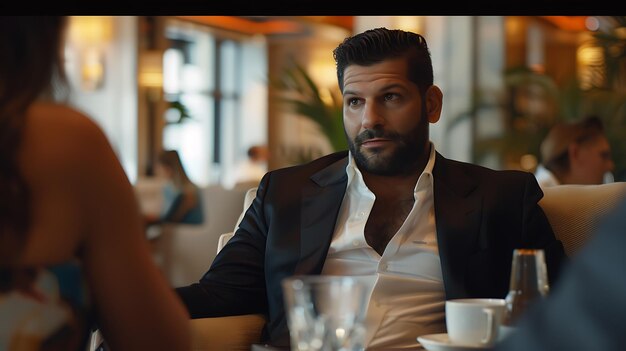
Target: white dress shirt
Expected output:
[405,283]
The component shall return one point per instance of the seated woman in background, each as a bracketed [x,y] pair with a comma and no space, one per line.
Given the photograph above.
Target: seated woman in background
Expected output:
[72,249]
[182,201]
[575,153]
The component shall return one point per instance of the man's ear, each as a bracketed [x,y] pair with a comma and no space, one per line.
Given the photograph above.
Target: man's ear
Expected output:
[434,102]
[573,150]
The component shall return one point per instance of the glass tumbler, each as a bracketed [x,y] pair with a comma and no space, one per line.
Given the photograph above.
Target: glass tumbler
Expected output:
[325,313]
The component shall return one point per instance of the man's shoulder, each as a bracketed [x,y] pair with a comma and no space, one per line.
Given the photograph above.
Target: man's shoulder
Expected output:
[473,167]
[314,165]
[480,173]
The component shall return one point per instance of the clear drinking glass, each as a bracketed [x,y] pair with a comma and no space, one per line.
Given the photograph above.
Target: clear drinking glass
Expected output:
[325,313]
[529,283]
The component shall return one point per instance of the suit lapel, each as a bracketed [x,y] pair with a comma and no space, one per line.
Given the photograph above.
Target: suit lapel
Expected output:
[320,207]
[458,210]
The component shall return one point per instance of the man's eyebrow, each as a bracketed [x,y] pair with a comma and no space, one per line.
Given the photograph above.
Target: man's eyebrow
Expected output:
[384,88]
[393,86]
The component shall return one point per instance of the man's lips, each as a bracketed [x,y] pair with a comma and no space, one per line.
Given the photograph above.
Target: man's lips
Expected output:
[375,142]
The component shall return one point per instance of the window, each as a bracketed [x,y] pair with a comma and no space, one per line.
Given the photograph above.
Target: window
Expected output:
[203,76]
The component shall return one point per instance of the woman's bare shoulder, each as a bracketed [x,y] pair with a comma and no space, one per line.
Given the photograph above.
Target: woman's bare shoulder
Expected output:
[57,130]
[61,118]
[62,141]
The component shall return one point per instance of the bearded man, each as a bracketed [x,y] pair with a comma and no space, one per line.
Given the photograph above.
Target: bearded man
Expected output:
[415,227]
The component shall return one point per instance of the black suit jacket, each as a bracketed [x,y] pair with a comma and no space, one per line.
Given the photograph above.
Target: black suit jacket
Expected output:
[481,216]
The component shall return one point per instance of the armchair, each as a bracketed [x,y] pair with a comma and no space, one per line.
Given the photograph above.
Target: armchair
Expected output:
[232,332]
[574,210]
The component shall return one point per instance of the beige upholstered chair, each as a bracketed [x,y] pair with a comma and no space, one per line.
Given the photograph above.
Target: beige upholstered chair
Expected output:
[574,210]
[185,251]
[247,201]
[233,332]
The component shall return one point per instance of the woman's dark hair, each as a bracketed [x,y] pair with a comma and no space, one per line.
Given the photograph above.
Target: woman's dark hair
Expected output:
[171,160]
[376,45]
[30,64]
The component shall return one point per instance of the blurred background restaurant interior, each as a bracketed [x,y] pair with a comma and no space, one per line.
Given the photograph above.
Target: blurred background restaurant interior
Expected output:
[212,86]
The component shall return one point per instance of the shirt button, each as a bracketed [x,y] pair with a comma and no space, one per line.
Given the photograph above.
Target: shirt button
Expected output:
[384,266]
[355,243]
[360,214]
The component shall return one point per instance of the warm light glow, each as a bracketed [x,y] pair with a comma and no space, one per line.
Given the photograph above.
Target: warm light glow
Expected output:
[151,69]
[324,73]
[90,35]
[91,30]
[538,68]
[590,55]
[515,28]
[243,25]
[590,61]
[569,23]
[528,162]
[620,32]
[409,23]
[92,69]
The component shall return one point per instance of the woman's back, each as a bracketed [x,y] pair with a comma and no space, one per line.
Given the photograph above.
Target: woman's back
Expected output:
[83,211]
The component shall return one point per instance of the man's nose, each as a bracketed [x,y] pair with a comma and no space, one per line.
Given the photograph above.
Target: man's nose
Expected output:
[372,116]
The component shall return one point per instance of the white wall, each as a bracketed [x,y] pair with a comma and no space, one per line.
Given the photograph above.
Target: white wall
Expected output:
[114,105]
[250,127]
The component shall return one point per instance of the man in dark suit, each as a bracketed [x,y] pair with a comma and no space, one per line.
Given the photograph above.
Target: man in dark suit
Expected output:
[419,228]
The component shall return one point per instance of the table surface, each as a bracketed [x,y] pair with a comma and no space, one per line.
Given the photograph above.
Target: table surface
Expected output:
[265,347]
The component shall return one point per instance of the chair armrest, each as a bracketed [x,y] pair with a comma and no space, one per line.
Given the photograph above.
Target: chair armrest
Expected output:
[223,240]
[226,333]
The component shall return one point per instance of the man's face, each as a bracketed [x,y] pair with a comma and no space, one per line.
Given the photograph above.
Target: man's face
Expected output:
[592,161]
[385,118]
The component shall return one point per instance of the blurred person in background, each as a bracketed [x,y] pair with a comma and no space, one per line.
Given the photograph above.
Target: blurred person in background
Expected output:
[575,153]
[249,172]
[182,200]
[72,249]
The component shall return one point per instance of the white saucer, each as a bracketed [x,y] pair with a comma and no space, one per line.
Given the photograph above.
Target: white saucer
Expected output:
[441,342]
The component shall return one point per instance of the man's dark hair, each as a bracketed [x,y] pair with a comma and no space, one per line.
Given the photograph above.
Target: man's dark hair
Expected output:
[375,45]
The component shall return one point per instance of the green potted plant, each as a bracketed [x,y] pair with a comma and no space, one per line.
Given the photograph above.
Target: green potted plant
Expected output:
[299,94]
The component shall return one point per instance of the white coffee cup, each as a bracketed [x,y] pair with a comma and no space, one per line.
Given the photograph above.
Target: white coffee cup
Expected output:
[474,321]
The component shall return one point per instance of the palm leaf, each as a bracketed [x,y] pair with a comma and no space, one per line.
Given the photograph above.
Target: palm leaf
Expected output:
[301,95]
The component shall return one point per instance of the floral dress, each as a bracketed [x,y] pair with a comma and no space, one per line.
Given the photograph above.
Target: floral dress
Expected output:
[45,308]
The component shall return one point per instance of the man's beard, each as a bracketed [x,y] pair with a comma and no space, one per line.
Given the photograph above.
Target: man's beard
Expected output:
[405,158]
